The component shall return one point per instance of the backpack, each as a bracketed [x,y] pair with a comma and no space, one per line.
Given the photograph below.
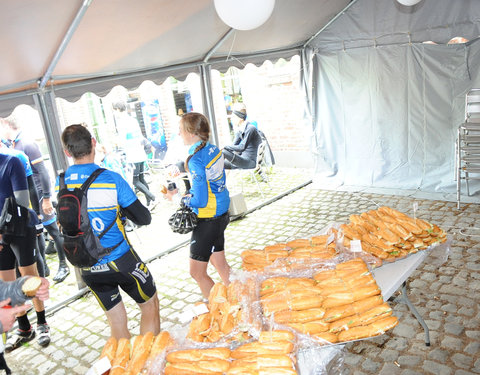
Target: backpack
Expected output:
[14,218]
[82,247]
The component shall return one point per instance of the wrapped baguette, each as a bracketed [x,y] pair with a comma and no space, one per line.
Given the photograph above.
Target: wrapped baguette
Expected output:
[122,355]
[212,366]
[374,329]
[279,335]
[324,275]
[259,348]
[140,354]
[110,349]
[326,336]
[319,240]
[365,318]
[161,342]
[263,371]
[338,312]
[190,355]
[299,316]
[313,327]
[264,360]
[301,242]
[338,299]
[278,246]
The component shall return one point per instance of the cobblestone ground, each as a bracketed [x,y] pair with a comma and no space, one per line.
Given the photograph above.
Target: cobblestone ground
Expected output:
[446,296]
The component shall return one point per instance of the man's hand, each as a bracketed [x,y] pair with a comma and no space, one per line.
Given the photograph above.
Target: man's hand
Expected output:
[1,242]
[47,206]
[8,315]
[43,292]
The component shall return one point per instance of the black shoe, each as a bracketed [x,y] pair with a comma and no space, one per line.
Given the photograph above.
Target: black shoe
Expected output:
[62,273]
[43,331]
[18,338]
[50,248]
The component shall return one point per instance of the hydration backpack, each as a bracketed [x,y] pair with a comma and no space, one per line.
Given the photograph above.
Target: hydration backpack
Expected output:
[82,247]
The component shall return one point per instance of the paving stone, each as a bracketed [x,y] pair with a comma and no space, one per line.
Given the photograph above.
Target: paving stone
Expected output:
[436,368]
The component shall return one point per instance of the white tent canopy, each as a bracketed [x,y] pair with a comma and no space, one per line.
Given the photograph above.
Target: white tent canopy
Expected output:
[102,43]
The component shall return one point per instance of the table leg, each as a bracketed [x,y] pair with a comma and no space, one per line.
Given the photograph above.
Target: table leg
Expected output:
[415,313]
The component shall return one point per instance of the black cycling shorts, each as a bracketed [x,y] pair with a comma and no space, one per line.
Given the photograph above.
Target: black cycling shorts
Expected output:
[22,249]
[128,273]
[208,237]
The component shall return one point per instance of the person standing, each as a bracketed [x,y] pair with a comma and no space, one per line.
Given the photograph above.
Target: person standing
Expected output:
[17,140]
[121,267]
[208,198]
[20,249]
[132,138]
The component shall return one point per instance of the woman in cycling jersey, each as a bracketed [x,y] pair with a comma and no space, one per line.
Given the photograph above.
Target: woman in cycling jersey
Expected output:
[208,198]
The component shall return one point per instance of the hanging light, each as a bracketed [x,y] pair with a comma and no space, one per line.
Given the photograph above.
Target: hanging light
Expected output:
[409,2]
[244,14]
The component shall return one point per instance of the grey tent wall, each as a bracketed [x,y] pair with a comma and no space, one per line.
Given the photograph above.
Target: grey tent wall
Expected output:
[387,115]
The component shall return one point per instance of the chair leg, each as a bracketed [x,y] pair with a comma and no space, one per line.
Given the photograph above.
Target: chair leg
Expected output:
[252,175]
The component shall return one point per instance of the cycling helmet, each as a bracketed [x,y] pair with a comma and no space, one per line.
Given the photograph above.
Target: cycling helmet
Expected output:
[183,220]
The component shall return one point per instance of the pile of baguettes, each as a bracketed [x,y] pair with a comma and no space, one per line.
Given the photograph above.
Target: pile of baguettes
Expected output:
[385,233]
[226,311]
[336,305]
[272,354]
[136,356]
[390,234]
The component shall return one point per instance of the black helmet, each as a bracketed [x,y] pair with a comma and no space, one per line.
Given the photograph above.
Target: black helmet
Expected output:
[183,220]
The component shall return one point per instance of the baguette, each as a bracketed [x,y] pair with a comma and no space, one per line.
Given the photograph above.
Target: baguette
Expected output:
[161,342]
[264,371]
[365,318]
[259,348]
[31,285]
[190,355]
[319,240]
[338,299]
[210,367]
[122,355]
[280,335]
[338,312]
[110,349]
[140,353]
[298,243]
[324,275]
[264,360]
[326,336]
[313,327]
[278,246]
[368,303]
[302,316]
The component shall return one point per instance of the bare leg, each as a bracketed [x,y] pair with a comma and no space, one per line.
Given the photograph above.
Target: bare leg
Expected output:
[32,270]
[150,320]
[117,319]
[220,263]
[198,270]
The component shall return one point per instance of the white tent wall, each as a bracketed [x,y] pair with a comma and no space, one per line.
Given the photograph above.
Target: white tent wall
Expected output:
[385,115]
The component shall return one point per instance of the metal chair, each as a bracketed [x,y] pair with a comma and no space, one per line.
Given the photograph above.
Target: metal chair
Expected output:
[258,169]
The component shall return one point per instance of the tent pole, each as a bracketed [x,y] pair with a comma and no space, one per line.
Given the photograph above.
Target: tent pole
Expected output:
[329,23]
[45,102]
[206,81]
[64,43]
[217,45]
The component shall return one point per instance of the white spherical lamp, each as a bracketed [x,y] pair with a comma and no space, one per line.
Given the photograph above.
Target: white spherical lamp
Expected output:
[409,2]
[244,14]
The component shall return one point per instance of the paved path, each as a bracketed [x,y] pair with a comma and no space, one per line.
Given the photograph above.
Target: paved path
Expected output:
[447,296]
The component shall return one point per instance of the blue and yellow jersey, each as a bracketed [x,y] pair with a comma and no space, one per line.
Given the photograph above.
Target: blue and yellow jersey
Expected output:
[210,197]
[106,195]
